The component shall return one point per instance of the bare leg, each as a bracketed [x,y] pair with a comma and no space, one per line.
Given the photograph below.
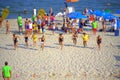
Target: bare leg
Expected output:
[34,43]
[8,78]
[42,46]
[99,46]
[84,43]
[27,44]
[61,45]
[0,24]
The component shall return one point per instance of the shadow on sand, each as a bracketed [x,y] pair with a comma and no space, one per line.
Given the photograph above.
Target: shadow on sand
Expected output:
[50,46]
[6,48]
[23,46]
[118,46]
[117,57]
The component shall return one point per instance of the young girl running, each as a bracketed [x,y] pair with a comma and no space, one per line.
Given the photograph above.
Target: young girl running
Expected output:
[34,37]
[99,40]
[42,40]
[26,39]
[85,39]
[15,41]
[7,27]
[60,39]
[74,37]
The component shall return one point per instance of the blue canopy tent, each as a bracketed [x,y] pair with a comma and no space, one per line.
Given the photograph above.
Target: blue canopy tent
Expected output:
[109,16]
[103,14]
[118,23]
[118,11]
[76,15]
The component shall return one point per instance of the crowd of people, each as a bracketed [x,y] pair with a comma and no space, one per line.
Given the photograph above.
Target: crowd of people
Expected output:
[38,25]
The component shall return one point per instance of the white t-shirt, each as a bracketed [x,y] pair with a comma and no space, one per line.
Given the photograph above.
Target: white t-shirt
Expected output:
[30,25]
[53,27]
[114,24]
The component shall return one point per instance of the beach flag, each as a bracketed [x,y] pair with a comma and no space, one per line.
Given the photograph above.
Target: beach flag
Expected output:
[5,13]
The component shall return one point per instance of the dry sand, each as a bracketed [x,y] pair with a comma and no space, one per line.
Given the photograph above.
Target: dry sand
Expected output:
[71,63]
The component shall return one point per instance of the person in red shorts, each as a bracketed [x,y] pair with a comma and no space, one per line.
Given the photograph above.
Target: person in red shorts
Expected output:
[94,26]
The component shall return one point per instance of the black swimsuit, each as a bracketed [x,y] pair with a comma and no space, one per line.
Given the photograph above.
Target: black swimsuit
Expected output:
[15,40]
[98,41]
[60,39]
[42,40]
[26,39]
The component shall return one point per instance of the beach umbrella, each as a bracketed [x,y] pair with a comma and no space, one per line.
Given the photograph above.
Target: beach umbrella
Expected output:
[72,0]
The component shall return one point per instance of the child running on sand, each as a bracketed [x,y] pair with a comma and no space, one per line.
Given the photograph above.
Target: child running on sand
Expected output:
[99,40]
[74,37]
[42,40]
[85,39]
[26,38]
[34,27]
[60,39]
[7,27]
[34,37]
[15,40]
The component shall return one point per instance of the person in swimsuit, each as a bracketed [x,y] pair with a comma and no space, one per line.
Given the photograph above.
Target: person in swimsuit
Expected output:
[60,39]
[26,25]
[15,41]
[104,25]
[1,20]
[74,38]
[85,39]
[81,24]
[6,71]
[26,38]
[34,37]
[99,40]
[42,40]
[7,27]
[53,28]
[34,27]
[30,27]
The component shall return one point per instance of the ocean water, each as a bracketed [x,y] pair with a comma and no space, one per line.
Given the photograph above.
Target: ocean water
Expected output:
[17,7]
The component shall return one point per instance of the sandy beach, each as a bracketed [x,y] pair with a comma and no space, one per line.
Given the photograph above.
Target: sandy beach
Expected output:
[71,63]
